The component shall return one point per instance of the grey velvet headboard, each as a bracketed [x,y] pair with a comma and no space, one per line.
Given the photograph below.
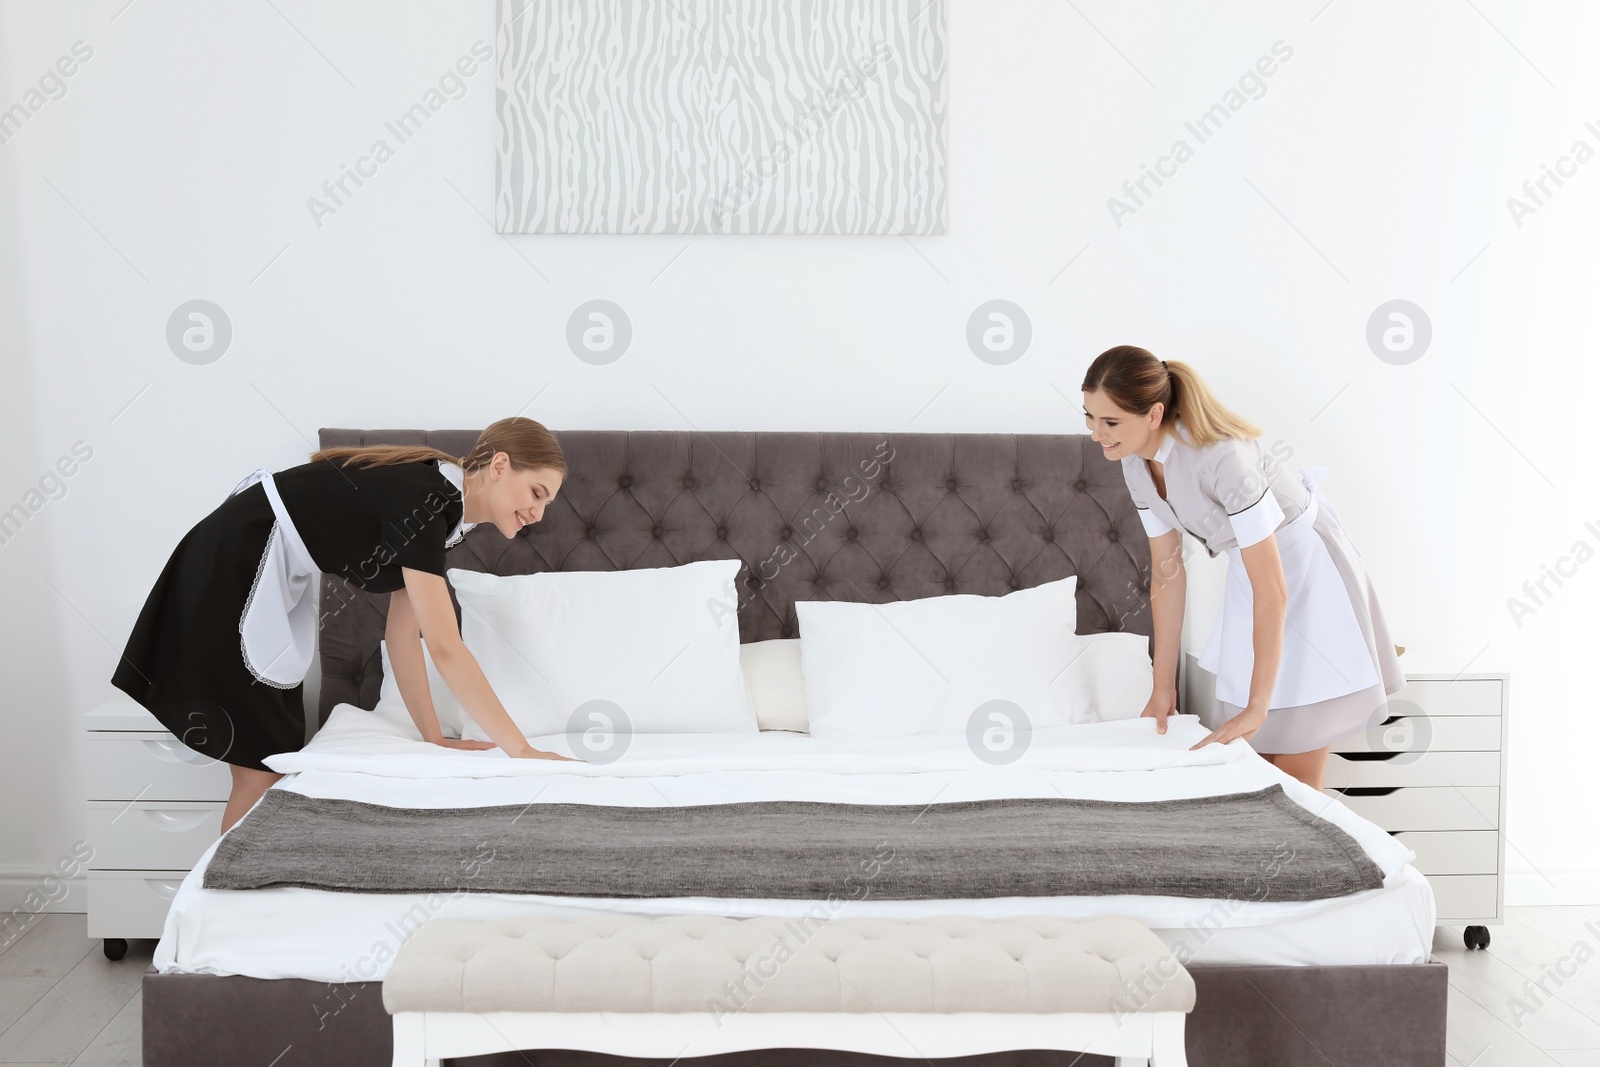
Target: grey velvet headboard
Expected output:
[814,516]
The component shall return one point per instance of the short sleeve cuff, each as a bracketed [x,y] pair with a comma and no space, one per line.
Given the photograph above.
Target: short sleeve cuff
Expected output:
[1257,522]
[1152,525]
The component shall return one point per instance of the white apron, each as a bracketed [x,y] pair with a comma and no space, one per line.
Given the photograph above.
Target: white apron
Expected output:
[1325,652]
[278,627]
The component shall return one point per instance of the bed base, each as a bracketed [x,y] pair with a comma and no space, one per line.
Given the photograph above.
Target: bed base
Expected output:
[1376,1016]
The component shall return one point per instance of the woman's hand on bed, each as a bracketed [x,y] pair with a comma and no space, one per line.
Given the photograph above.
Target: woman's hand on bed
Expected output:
[529,752]
[463,743]
[1245,724]
[1162,702]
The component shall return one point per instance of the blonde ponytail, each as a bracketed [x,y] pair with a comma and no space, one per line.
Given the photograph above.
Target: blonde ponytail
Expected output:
[528,444]
[1137,381]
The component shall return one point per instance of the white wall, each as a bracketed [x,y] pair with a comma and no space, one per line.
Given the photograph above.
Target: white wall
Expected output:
[1376,166]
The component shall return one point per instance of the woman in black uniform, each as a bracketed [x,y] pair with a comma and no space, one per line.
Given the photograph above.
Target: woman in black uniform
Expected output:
[221,647]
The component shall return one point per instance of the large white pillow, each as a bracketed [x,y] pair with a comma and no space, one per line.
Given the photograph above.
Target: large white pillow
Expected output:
[927,666]
[656,645]
[777,687]
[391,705]
[1110,678]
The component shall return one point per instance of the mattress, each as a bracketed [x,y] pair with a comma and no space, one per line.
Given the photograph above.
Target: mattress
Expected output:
[339,936]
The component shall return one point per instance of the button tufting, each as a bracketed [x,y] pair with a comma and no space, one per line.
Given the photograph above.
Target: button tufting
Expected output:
[822,484]
[624,481]
[655,531]
[884,485]
[788,631]
[883,583]
[916,534]
[1016,483]
[1080,485]
[688,483]
[949,583]
[722,531]
[1049,535]
[588,531]
[951,484]
[1015,584]
[850,534]
[755,483]
[1112,535]
[983,535]
[757,583]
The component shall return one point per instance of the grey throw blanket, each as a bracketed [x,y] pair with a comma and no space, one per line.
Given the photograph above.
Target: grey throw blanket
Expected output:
[1258,846]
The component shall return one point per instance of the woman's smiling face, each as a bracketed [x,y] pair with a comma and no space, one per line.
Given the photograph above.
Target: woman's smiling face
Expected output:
[1121,433]
[510,498]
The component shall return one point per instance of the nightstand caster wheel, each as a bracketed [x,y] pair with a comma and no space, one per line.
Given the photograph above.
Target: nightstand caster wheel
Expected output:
[1476,937]
[115,948]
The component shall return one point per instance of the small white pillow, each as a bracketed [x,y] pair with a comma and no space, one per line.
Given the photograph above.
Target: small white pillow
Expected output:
[1110,679]
[658,645]
[926,666]
[777,687]
[391,705]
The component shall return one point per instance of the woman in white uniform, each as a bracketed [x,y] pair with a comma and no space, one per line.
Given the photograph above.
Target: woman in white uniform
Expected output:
[1300,651]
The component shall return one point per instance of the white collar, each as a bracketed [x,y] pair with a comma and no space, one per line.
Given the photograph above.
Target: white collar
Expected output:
[458,478]
[1170,439]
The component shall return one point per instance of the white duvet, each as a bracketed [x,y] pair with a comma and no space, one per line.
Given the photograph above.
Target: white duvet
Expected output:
[338,937]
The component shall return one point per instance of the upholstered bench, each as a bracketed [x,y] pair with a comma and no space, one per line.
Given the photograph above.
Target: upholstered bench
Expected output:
[694,985]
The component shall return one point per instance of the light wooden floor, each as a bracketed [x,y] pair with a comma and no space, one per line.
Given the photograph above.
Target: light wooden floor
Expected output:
[63,1002]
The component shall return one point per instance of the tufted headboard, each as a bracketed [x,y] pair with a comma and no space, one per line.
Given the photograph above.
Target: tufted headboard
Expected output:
[813,516]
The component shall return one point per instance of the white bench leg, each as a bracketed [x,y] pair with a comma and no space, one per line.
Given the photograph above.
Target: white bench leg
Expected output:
[1132,1061]
[409,1048]
[1169,1048]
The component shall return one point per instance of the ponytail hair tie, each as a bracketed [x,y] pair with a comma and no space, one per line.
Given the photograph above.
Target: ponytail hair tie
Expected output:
[1163,364]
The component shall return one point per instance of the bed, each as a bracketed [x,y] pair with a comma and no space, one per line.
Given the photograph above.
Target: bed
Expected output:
[293,972]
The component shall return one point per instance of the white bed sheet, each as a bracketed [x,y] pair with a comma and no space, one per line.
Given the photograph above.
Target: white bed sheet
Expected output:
[340,937]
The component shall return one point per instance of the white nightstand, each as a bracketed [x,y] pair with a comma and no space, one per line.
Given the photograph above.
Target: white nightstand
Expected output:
[154,807]
[1434,777]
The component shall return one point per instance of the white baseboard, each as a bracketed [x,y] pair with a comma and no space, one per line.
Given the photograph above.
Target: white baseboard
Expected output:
[24,889]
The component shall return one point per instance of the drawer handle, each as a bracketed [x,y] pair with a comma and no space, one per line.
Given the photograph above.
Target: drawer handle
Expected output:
[175,751]
[176,820]
[1366,757]
[165,888]
[1366,790]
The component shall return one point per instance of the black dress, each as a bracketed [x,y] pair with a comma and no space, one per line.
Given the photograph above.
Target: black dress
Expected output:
[183,660]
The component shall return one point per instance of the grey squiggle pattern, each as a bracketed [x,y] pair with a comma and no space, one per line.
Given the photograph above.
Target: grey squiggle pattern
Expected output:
[721,116]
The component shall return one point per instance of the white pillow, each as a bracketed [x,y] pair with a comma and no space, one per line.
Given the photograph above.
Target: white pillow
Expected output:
[1110,679]
[926,666]
[777,688]
[445,705]
[658,645]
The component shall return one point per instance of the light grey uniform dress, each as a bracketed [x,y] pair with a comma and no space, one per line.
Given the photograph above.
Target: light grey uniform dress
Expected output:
[1338,665]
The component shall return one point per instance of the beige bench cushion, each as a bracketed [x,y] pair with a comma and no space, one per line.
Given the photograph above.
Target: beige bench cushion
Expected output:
[625,963]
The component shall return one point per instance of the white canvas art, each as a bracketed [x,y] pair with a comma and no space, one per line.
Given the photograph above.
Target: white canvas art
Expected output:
[721,116]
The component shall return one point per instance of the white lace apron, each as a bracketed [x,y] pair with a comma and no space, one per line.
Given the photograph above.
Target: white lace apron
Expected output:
[278,627]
